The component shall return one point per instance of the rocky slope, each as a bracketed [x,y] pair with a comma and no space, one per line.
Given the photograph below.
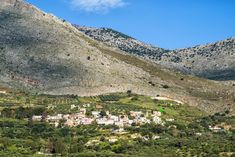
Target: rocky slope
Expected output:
[214,61]
[41,53]
[123,42]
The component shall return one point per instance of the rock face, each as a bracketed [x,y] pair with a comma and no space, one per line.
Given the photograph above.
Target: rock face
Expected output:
[214,61]
[41,53]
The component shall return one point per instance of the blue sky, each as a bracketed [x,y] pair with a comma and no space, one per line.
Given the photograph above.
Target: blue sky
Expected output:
[168,24]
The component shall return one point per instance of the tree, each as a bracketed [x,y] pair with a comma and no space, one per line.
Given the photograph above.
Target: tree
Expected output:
[129,92]
[65,131]
[60,147]
[102,138]
[20,112]
[39,110]
[117,148]
[77,145]
[165,86]
[103,114]
[8,113]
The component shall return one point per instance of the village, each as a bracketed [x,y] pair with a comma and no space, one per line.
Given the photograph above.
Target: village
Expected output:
[113,123]
[102,117]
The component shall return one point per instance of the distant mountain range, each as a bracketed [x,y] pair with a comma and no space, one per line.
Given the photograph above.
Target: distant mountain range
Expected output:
[42,53]
[214,61]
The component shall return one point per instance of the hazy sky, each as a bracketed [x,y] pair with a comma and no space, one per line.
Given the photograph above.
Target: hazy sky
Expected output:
[168,24]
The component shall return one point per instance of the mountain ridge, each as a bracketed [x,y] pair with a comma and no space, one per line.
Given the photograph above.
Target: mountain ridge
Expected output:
[123,42]
[189,60]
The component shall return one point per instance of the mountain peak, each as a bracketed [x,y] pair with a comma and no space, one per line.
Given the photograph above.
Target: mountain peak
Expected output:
[21,6]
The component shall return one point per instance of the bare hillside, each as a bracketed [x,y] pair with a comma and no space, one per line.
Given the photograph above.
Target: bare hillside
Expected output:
[214,61]
[41,53]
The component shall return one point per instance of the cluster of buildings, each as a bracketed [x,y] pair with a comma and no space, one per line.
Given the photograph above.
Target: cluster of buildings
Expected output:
[101,118]
[135,117]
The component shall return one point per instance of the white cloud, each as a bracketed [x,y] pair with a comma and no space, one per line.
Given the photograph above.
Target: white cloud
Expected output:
[97,5]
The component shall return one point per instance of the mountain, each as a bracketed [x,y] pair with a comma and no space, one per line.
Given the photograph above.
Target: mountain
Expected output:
[44,54]
[123,42]
[214,61]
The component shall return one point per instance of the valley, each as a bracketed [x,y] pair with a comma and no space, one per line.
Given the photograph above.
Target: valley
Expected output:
[120,125]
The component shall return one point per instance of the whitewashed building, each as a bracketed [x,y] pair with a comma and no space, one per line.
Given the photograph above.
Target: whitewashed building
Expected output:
[37,118]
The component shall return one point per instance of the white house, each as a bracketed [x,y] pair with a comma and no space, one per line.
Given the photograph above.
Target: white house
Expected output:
[120,124]
[72,106]
[86,121]
[77,116]
[66,116]
[199,134]
[115,118]
[83,111]
[54,118]
[135,113]
[157,120]
[96,114]
[131,122]
[109,122]
[157,113]
[170,120]
[86,105]
[104,121]
[113,140]
[144,120]
[37,118]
